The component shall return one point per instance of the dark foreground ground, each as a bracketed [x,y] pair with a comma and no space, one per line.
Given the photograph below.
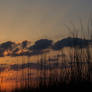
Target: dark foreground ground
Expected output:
[78,86]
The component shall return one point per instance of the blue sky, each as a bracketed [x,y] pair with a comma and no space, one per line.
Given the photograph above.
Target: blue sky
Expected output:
[35,19]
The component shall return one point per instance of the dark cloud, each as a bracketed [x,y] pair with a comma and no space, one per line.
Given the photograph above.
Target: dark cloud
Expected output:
[25,43]
[7,45]
[41,44]
[70,42]
[37,66]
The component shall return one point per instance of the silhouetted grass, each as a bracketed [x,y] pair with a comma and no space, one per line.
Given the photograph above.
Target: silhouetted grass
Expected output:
[54,77]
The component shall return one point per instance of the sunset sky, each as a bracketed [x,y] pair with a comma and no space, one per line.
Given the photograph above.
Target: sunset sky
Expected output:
[35,19]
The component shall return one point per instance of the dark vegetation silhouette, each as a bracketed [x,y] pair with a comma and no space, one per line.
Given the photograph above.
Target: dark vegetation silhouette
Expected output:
[58,72]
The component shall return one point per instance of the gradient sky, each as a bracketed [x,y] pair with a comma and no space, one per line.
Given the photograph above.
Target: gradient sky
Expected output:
[35,19]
